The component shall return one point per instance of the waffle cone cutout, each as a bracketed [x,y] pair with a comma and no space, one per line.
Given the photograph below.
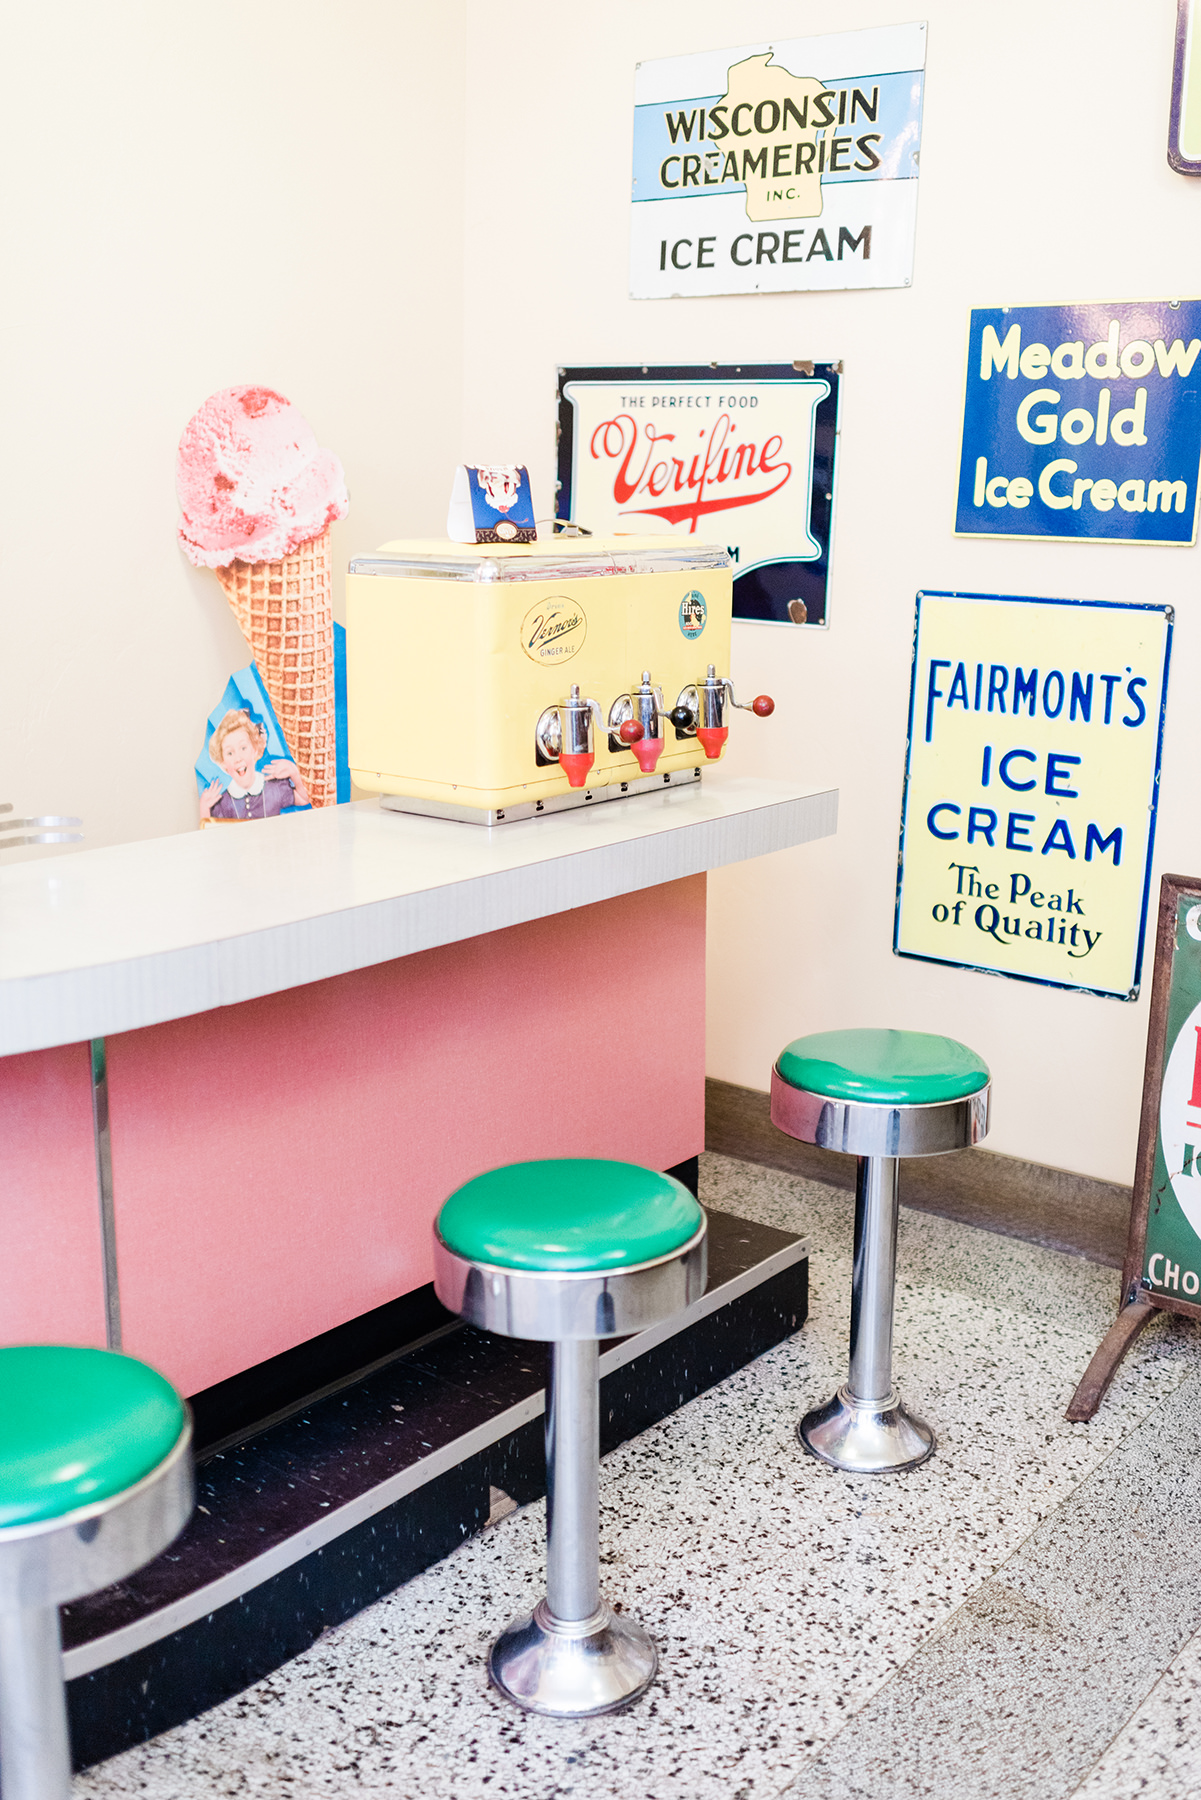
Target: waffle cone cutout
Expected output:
[285,613]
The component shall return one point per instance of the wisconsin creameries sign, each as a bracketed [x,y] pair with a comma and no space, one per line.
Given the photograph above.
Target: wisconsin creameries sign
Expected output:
[778,166]
[740,455]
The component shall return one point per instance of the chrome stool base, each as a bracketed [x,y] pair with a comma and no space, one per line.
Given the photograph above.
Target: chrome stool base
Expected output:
[864,1437]
[877,1437]
[573,1656]
[572,1669]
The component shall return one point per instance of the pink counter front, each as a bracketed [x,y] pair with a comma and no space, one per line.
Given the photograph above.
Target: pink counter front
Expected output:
[314,1029]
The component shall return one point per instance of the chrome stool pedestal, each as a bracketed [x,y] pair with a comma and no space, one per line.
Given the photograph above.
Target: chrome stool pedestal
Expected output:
[864,1428]
[581,1227]
[573,1655]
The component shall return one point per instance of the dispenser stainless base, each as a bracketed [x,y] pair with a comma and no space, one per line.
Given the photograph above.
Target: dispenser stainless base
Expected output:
[572,1670]
[537,809]
[866,1437]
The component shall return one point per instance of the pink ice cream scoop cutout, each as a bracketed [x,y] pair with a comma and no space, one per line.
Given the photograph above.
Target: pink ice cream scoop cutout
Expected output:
[258,495]
[253,482]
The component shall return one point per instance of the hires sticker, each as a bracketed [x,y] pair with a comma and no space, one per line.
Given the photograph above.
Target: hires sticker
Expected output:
[694,614]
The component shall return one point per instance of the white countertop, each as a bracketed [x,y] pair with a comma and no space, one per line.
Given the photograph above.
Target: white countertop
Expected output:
[110,940]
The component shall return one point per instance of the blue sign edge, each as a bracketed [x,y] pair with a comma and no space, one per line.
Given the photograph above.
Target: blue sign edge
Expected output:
[1177,160]
[947,962]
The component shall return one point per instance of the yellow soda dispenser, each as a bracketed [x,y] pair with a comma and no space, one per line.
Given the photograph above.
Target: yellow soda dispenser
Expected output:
[498,682]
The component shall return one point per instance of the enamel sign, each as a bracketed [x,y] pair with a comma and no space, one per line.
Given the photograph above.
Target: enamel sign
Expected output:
[1031,781]
[1184,130]
[741,455]
[1162,1267]
[1083,422]
[1165,1248]
[778,166]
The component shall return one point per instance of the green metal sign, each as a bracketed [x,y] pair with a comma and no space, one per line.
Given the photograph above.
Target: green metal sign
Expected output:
[1171,1262]
[1162,1270]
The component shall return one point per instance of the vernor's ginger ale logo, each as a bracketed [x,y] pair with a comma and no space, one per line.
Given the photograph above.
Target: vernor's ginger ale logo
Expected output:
[553,631]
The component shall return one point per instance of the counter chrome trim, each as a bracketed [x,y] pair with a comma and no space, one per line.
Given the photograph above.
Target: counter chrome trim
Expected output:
[84,1659]
[102,1138]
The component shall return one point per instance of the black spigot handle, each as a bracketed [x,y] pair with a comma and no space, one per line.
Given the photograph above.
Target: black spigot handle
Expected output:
[682,718]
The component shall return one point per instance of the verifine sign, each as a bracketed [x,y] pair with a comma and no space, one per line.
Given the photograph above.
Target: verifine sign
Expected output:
[1083,422]
[741,455]
[776,167]
[1031,781]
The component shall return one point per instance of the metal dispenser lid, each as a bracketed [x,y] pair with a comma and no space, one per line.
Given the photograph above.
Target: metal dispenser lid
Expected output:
[552,559]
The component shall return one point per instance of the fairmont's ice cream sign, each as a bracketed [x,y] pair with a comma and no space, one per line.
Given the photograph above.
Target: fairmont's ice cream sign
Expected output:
[774,167]
[1083,422]
[1031,783]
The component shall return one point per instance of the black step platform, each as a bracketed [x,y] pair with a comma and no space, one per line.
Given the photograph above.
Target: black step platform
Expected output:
[333,1502]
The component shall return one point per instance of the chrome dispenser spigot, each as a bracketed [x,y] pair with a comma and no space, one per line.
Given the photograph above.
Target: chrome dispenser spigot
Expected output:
[563,734]
[700,710]
[643,705]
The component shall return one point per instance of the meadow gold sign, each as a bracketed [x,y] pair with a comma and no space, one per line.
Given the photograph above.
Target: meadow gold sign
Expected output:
[1083,422]
[1031,781]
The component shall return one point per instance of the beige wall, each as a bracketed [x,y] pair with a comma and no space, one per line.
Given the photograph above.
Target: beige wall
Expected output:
[1043,179]
[405,228]
[195,196]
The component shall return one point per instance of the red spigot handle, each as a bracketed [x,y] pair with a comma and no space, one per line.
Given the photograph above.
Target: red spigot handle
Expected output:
[763,705]
[630,731]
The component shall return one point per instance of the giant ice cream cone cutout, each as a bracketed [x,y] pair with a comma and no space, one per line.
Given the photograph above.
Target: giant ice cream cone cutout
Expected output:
[258,496]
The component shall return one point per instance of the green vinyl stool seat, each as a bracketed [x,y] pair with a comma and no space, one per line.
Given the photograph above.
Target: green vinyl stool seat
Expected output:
[880,1096]
[568,1251]
[883,1068]
[77,1426]
[95,1481]
[569,1215]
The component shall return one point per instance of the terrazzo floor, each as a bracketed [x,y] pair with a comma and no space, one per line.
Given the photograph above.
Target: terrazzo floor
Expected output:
[1019,1617]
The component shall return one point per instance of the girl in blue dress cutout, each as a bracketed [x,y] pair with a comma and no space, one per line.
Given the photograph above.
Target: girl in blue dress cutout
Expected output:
[252,793]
